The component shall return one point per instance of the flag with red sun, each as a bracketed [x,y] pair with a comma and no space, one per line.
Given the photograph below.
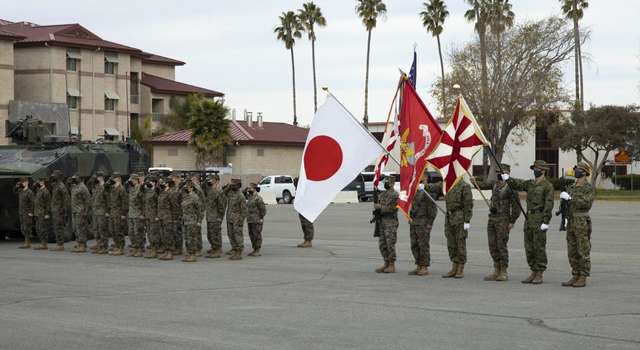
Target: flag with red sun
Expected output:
[461,140]
[336,151]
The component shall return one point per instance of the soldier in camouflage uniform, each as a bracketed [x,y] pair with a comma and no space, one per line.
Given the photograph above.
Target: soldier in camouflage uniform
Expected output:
[580,196]
[503,213]
[306,225]
[59,201]
[135,216]
[539,208]
[80,204]
[192,209]
[236,214]
[117,213]
[151,218]
[388,206]
[256,211]
[99,212]
[166,213]
[42,214]
[195,179]
[25,209]
[423,212]
[175,184]
[215,204]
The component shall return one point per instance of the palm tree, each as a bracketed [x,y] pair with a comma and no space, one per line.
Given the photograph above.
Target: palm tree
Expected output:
[433,19]
[209,131]
[574,10]
[289,29]
[368,11]
[479,14]
[310,16]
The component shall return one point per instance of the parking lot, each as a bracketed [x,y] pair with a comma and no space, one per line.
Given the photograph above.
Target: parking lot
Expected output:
[327,297]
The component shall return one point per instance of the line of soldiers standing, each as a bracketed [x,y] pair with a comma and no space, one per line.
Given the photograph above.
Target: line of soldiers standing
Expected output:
[159,215]
[504,211]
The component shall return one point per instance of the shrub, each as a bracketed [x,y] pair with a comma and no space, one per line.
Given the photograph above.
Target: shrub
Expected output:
[627,182]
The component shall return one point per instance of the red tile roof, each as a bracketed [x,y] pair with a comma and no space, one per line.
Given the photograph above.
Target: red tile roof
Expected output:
[157,59]
[5,34]
[171,87]
[269,133]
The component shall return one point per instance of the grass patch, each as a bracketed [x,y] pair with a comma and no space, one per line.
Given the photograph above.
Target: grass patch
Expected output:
[622,195]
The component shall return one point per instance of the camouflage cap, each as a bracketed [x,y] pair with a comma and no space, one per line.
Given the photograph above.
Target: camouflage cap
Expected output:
[540,165]
[133,176]
[116,174]
[236,181]
[505,167]
[253,184]
[23,179]
[214,177]
[175,173]
[99,173]
[584,167]
[390,179]
[56,174]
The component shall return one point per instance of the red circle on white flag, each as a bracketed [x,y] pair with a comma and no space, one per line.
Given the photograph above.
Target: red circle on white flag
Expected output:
[322,158]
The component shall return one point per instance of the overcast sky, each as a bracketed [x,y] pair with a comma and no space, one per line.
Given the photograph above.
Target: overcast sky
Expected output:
[229,46]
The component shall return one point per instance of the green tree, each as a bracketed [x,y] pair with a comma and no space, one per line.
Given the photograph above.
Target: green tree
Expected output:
[289,29]
[178,118]
[574,10]
[310,15]
[433,18]
[369,11]
[209,131]
[595,133]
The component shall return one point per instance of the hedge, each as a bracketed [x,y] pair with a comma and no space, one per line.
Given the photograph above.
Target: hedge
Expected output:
[627,182]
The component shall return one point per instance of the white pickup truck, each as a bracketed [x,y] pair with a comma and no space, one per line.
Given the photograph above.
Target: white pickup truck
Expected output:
[280,185]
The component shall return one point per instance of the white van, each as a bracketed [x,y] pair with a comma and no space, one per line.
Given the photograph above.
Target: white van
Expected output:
[280,185]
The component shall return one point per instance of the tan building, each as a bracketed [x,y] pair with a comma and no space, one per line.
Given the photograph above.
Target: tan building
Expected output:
[7,40]
[107,86]
[259,148]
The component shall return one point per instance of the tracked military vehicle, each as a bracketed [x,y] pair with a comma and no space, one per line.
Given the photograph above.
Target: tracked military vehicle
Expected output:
[38,149]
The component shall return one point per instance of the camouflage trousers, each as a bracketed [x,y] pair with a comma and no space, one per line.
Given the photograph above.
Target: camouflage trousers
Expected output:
[43,227]
[167,234]
[80,224]
[498,237]
[191,234]
[100,230]
[535,243]
[214,234]
[117,230]
[255,234]
[579,245]
[387,239]
[234,231]
[307,228]
[136,233]
[26,226]
[152,228]
[59,223]
[420,235]
[199,241]
[178,240]
[456,241]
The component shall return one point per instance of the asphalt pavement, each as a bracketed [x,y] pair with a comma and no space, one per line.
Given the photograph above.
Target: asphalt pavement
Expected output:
[327,297]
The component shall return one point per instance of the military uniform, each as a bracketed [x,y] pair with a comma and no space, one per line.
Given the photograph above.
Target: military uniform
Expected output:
[80,202]
[504,210]
[423,213]
[42,214]
[25,210]
[192,223]
[256,211]
[215,204]
[581,196]
[59,202]
[166,214]
[307,232]
[236,214]
[118,208]
[198,190]
[387,203]
[151,220]
[135,218]
[539,208]
[176,202]
[99,212]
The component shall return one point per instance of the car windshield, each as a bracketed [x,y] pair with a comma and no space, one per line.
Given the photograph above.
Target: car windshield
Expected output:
[265,181]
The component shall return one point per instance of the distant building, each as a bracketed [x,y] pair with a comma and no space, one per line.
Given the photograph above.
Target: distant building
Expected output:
[108,87]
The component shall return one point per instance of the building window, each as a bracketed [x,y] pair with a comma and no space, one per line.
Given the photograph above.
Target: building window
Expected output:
[72,102]
[260,152]
[157,109]
[110,104]
[110,62]
[72,64]
[231,151]
[109,68]
[134,88]
[172,152]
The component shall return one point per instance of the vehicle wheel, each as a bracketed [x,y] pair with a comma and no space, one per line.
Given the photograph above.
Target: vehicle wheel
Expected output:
[286,197]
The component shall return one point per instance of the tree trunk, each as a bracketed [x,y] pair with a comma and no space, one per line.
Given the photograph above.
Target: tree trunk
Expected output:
[484,81]
[581,77]
[576,39]
[315,84]
[444,100]
[293,71]
[365,119]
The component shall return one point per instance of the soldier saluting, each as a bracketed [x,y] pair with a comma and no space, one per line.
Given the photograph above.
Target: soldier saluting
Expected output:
[42,213]
[580,198]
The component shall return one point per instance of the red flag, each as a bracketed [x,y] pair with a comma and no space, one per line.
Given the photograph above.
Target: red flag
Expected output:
[461,140]
[419,135]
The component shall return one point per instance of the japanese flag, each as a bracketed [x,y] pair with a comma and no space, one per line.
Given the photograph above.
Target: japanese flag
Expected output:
[336,151]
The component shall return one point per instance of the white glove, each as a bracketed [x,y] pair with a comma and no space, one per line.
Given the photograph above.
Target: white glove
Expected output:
[504,177]
[544,227]
[467,226]
[565,196]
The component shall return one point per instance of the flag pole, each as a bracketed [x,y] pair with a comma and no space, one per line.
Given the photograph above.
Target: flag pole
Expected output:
[384,149]
[475,184]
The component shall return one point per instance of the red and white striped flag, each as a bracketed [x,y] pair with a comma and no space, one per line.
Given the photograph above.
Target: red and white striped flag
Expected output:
[389,140]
